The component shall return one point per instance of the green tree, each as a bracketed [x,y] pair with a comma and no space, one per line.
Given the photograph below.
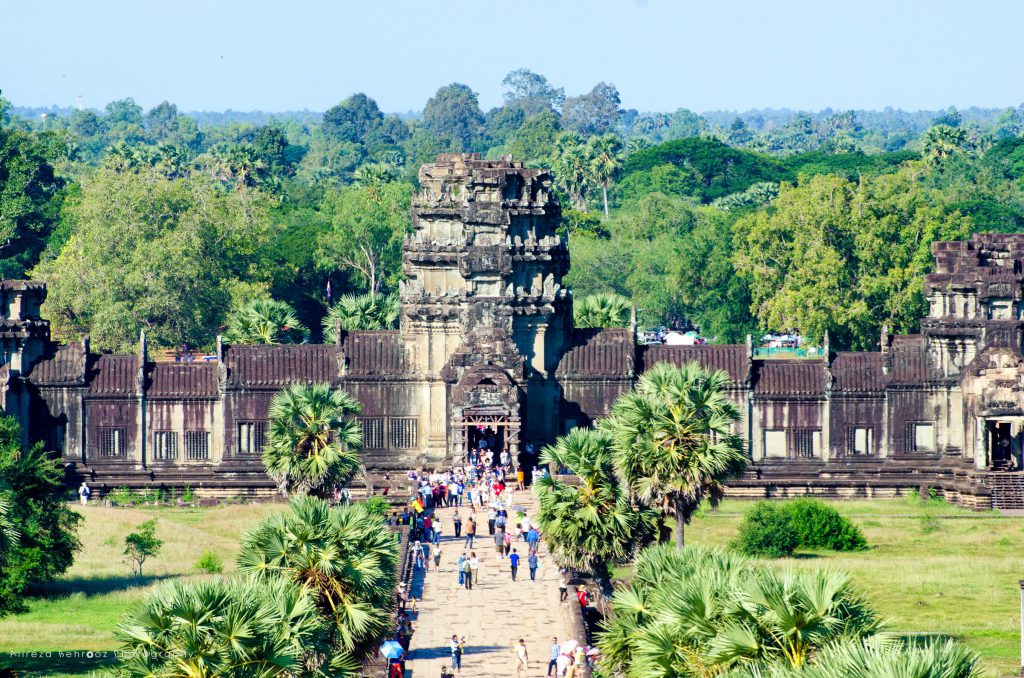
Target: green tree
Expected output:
[588,524]
[674,440]
[32,486]
[532,142]
[941,142]
[361,312]
[344,556]
[145,251]
[453,118]
[141,545]
[314,439]
[605,161]
[265,321]
[28,198]
[531,92]
[244,628]
[353,119]
[367,224]
[594,113]
[602,310]
[571,163]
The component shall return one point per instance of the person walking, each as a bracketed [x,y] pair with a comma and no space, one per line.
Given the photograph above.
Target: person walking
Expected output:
[470,532]
[467,573]
[84,492]
[499,544]
[456,649]
[513,560]
[417,555]
[556,650]
[563,588]
[522,659]
[474,567]
[491,517]
[508,542]
[533,562]
[532,537]
[458,566]
[437,531]
[437,559]
[457,524]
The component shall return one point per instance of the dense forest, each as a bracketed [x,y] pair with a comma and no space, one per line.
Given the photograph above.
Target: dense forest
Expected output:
[733,223]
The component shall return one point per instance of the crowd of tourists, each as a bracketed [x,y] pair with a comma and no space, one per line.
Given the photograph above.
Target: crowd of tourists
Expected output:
[482,499]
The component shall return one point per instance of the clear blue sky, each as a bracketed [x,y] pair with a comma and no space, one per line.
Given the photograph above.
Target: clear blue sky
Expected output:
[661,54]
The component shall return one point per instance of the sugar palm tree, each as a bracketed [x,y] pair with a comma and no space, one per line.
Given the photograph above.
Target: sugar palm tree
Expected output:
[878,658]
[572,165]
[345,556]
[588,524]
[361,312]
[605,162]
[244,628]
[265,321]
[313,440]
[674,441]
[700,612]
[602,310]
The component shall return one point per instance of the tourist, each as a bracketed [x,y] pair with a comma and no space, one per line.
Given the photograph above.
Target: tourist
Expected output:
[513,560]
[474,567]
[84,492]
[458,566]
[533,562]
[467,573]
[417,555]
[563,587]
[436,524]
[437,559]
[532,537]
[499,544]
[500,521]
[581,595]
[428,527]
[522,659]
[457,524]
[456,650]
[470,532]
[492,516]
[508,542]
[520,479]
[556,650]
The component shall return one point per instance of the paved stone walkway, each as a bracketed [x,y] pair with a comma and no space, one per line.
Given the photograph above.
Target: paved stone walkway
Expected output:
[494,615]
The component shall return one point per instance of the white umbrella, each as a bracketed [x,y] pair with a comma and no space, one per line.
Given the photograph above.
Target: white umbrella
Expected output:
[569,646]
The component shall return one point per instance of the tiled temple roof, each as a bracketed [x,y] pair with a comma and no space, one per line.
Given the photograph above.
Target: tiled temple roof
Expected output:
[790,378]
[183,380]
[113,375]
[909,360]
[63,364]
[374,353]
[729,357]
[859,372]
[280,366]
[598,353]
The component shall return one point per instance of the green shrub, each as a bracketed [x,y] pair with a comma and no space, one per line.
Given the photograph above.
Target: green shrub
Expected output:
[378,506]
[210,563]
[767,531]
[775,529]
[820,526]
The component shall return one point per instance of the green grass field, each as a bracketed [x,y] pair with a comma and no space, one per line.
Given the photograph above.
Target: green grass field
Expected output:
[932,569]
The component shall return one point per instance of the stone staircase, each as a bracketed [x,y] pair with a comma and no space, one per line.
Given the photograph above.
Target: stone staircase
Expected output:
[1007,490]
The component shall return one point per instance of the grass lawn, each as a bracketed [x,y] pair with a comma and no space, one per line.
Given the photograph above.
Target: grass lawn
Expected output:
[77,614]
[932,569]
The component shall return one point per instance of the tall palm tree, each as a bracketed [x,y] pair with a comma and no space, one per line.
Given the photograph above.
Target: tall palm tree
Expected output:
[589,524]
[345,556]
[602,310]
[605,162]
[313,440]
[674,440]
[572,166]
[265,321]
[361,312]
[245,628]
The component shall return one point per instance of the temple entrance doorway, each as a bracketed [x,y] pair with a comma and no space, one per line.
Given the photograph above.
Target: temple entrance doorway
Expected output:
[1004,446]
[488,433]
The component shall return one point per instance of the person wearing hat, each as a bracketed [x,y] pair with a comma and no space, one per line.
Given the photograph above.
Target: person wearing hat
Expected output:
[581,595]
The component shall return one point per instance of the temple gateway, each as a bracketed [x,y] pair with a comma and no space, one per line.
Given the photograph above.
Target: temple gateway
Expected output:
[486,340]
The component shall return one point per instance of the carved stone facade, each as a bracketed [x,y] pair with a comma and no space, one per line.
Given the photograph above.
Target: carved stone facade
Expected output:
[486,341]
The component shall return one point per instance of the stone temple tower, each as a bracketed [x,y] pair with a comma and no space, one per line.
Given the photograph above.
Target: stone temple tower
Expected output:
[485,317]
